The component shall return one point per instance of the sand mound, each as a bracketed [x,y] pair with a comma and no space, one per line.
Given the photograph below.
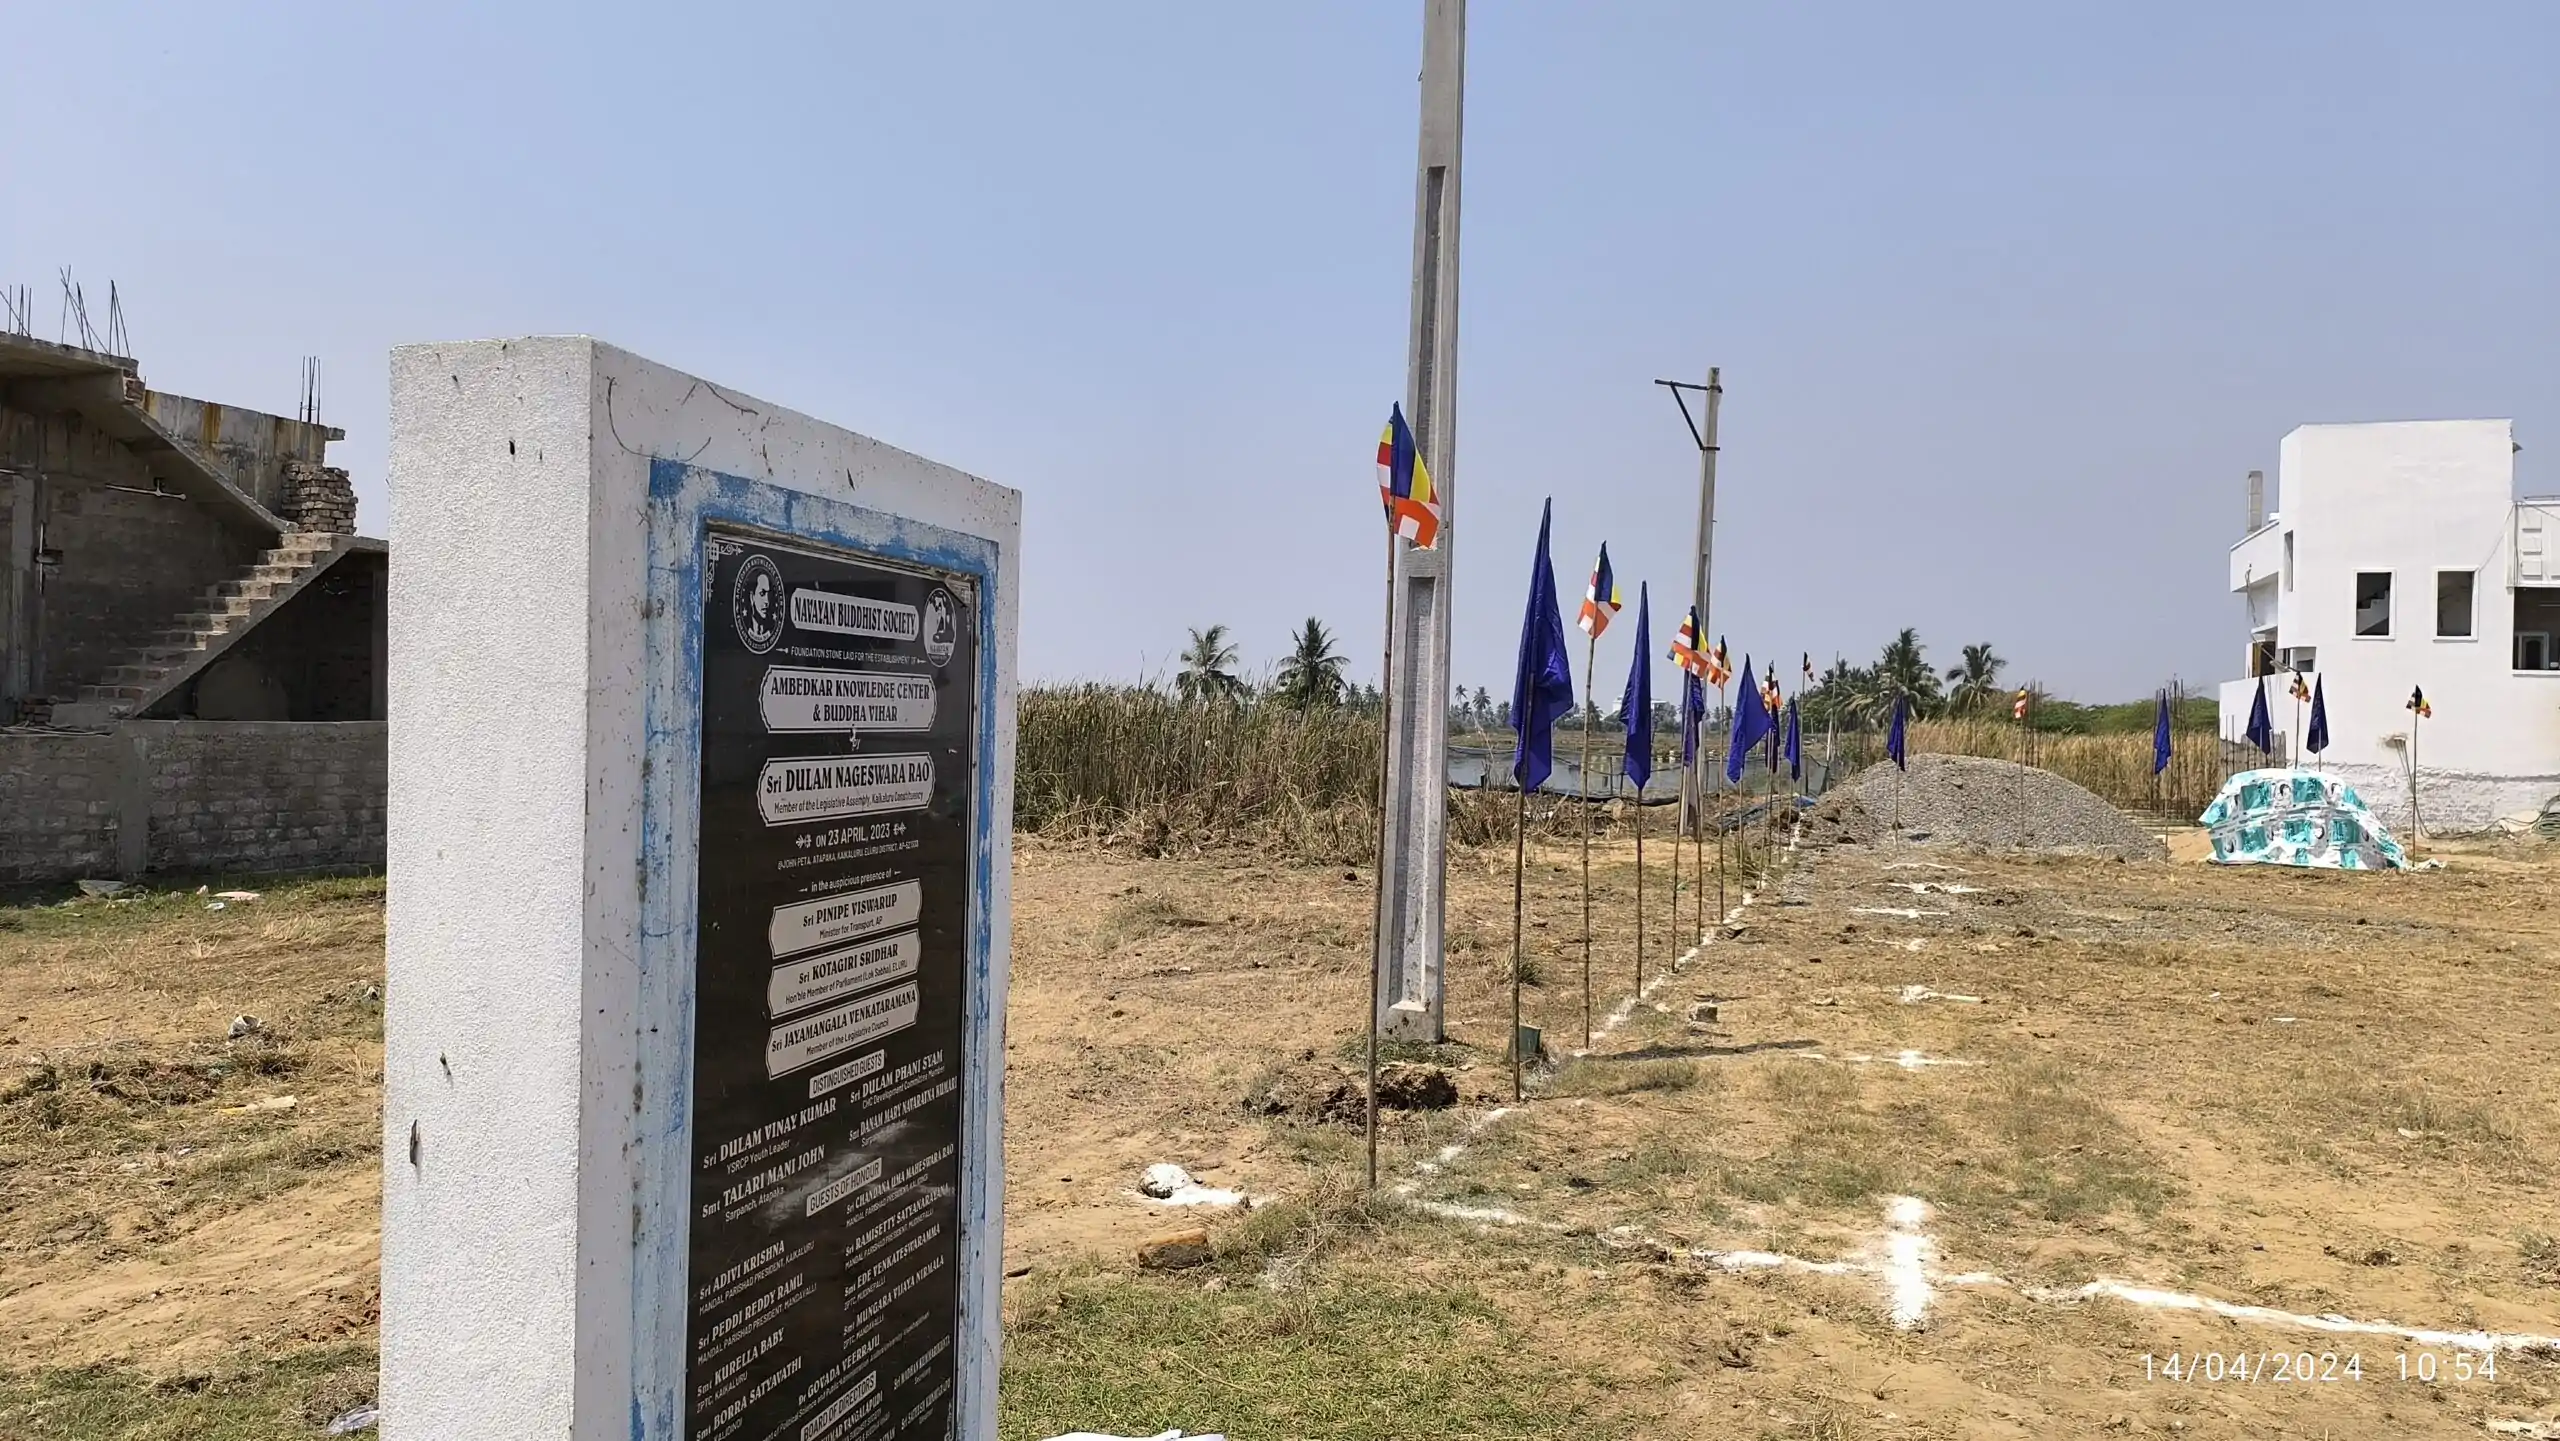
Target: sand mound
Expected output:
[1973,801]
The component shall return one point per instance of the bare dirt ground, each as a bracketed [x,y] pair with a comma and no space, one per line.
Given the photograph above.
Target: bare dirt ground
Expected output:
[1840,1208]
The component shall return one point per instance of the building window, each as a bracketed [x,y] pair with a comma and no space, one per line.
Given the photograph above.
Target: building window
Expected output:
[2288,560]
[2373,602]
[2453,604]
[2537,628]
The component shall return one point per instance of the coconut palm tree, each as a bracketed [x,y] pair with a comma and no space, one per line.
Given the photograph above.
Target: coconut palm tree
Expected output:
[1845,693]
[1903,670]
[1312,675]
[1208,667]
[1976,683]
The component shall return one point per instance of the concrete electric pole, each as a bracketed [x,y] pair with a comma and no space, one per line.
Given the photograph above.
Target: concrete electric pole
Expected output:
[1693,784]
[1412,869]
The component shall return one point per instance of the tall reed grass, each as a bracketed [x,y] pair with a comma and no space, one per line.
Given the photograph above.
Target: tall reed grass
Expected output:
[1136,766]
[1133,764]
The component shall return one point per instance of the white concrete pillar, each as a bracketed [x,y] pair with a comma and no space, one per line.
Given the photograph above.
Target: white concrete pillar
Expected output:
[701,749]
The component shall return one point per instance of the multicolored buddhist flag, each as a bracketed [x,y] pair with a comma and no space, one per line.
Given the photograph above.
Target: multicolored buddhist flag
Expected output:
[2301,688]
[1719,665]
[1684,647]
[2418,701]
[1600,603]
[2018,707]
[1404,483]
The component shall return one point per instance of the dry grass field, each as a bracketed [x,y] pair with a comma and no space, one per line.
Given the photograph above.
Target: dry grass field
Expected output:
[1841,1208]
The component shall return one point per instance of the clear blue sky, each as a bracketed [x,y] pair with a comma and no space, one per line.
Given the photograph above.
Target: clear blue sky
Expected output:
[2008,296]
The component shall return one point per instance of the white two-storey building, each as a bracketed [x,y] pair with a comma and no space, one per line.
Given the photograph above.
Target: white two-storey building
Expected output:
[2400,555]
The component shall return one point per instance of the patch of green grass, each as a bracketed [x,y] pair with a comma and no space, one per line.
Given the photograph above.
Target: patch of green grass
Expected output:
[1355,1358]
[49,913]
[293,1395]
[1828,1421]
[1603,1076]
[1329,1215]
[1654,1159]
[2434,1115]
[2539,1251]
[1809,1086]
[1139,915]
[2068,1156]
[1354,1048]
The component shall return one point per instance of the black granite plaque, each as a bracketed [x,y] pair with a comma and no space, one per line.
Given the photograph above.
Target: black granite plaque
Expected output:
[839,702]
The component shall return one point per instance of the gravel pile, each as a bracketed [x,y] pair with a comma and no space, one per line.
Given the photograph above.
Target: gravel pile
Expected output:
[1972,801]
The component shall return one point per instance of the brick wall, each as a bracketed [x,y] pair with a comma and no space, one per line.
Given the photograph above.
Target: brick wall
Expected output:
[191,796]
[318,649]
[131,563]
[58,804]
[318,497]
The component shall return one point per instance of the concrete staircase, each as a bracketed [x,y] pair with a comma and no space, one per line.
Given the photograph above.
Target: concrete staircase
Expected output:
[225,612]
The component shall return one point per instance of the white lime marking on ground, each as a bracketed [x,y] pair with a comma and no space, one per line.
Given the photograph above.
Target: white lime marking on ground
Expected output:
[1907,1060]
[1170,1185]
[1906,912]
[1914,995]
[1481,1215]
[2127,1291]
[1906,1256]
[1910,1283]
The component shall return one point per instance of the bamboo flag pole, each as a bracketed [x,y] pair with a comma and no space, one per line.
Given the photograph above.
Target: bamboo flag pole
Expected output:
[1640,890]
[1591,662]
[1386,672]
[2417,712]
[1723,905]
[1674,932]
[1519,882]
[1698,858]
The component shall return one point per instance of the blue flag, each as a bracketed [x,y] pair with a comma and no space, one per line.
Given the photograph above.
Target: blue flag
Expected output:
[1795,743]
[2317,738]
[2262,731]
[1638,703]
[1543,690]
[1896,739]
[1693,717]
[2160,737]
[1751,725]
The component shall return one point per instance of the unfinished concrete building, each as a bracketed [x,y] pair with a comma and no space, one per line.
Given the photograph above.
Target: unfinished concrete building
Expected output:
[191,633]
